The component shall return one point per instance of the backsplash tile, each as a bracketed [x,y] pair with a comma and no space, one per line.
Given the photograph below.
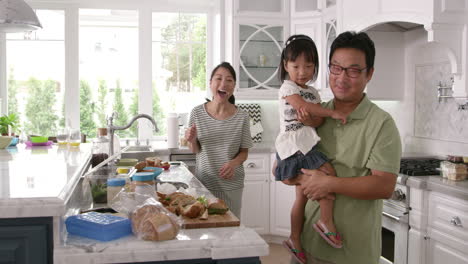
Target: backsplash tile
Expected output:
[434,120]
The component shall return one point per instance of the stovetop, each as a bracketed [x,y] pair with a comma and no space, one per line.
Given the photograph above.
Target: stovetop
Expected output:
[420,166]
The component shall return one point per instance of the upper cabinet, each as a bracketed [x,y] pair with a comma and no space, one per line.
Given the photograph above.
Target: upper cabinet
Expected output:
[260,47]
[259,29]
[261,8]
[318,20]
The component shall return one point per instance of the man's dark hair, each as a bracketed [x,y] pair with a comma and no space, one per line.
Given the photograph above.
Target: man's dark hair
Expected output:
[359,41]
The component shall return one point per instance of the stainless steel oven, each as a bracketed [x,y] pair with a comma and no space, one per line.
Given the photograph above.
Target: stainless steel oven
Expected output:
[395,227]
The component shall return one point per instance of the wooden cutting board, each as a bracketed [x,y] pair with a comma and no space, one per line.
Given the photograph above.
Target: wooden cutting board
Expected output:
[225,220]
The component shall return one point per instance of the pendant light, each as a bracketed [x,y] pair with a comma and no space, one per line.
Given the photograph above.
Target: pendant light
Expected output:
[17,16]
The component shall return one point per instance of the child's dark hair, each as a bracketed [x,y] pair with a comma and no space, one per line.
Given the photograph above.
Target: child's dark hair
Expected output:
[295,46]
[227,66]
[359,41]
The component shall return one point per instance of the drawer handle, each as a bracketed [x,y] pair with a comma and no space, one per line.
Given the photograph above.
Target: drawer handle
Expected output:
[251,165]
[456,221]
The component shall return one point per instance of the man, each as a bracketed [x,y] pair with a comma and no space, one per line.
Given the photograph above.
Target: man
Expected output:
[365,153]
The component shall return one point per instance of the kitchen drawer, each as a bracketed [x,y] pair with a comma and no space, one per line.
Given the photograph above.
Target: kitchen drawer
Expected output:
[449,215]
[257,164]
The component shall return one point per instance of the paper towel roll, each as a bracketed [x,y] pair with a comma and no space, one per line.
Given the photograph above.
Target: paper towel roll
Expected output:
[172,130]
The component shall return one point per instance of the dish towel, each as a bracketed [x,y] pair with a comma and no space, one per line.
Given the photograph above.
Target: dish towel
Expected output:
[255,113]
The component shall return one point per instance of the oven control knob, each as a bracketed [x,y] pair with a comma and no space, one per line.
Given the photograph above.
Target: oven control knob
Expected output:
[398,195]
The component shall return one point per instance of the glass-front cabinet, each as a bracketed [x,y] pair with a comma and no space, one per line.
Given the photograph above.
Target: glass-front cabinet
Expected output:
[259,47]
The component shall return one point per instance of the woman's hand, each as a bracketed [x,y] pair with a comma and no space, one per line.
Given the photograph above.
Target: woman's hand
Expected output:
[227,170]
[191,134]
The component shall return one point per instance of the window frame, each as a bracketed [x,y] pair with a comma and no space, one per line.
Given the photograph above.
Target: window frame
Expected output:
[145,10]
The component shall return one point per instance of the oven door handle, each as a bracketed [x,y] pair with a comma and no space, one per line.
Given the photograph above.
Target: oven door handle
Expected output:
[396,218]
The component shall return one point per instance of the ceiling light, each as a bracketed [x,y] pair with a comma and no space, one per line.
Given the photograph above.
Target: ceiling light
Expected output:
[17,16]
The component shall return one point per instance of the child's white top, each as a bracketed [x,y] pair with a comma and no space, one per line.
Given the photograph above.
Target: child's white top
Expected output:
[295,136]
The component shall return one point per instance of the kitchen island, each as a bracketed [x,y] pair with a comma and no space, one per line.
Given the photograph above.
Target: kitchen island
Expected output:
[44,184]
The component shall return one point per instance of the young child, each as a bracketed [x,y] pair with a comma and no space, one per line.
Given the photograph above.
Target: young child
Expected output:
[295,144]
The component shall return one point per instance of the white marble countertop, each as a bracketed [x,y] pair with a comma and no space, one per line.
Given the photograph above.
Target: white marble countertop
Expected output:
[457,189]
[37,181]
[214,243]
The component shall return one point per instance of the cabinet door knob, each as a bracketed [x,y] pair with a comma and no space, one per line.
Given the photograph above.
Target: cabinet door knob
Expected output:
[456,221]
[251,165]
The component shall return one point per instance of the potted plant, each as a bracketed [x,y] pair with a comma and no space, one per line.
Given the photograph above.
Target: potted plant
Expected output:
[11,121]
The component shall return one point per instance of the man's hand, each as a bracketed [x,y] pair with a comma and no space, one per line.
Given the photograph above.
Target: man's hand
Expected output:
[191,134]
[227,171]
[315,185]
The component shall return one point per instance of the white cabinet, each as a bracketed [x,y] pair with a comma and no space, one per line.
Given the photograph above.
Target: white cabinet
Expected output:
[255,198]
[321,26]
[282,197]
[447,230]
[439,228]
[265,8]
[256,31]
[258,44]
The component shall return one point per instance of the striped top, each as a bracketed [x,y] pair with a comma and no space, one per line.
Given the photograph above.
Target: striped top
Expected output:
[220,142]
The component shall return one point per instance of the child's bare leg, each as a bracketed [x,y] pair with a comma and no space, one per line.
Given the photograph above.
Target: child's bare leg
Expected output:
[297,218]
[326,205]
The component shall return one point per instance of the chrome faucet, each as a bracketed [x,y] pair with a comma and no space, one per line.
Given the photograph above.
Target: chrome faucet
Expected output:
[111,128]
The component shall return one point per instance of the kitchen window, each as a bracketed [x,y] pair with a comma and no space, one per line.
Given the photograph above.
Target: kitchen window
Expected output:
[179,62]
[95,58]
[36,79]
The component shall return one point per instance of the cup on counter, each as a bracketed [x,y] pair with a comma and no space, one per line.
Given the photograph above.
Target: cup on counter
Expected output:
[74,138]
[62,136]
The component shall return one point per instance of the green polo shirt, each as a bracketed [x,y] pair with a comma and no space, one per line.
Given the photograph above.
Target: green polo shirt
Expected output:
[369,140]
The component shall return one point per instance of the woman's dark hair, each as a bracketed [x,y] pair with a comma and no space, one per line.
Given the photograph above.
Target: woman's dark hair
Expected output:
[359,41]
[227,66]
[295,46]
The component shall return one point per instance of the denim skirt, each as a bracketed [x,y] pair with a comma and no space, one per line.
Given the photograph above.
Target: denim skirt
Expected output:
[292,165]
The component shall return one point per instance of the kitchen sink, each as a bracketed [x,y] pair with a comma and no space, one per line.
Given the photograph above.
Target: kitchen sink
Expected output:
[139,149]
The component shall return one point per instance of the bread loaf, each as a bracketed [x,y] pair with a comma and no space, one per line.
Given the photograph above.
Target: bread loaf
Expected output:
[151,223]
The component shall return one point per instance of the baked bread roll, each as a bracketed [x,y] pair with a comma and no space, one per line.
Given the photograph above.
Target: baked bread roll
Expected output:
[151,223]
[140,165]
[193,210]
[216,206]
[153,161]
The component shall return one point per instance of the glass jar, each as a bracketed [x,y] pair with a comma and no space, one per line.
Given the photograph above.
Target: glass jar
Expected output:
[114,186]
[144,185]
[100,147]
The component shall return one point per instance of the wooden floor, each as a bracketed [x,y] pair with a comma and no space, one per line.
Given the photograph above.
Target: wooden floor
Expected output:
[278,255]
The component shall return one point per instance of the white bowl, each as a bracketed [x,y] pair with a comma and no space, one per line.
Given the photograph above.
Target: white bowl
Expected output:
[5,141]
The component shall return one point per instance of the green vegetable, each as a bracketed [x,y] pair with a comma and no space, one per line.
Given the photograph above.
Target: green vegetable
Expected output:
[167,198]
[202,199]
[217,210]
[99,193]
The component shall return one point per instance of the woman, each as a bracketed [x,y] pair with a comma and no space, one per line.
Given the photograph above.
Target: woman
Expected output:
[220,136]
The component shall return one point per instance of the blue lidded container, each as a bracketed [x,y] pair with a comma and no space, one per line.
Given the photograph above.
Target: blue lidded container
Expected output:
[143,176]
[102,227]
[115,182]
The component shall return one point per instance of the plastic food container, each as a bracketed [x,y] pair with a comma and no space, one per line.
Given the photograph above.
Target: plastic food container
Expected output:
[39,139]
[454,171]
[103,227]
[114,186]
[127,162]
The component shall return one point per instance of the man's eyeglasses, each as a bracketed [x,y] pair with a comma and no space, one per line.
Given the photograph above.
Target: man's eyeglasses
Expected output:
[350,72]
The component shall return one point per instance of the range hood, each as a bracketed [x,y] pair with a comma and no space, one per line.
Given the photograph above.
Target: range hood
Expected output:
[446,23]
